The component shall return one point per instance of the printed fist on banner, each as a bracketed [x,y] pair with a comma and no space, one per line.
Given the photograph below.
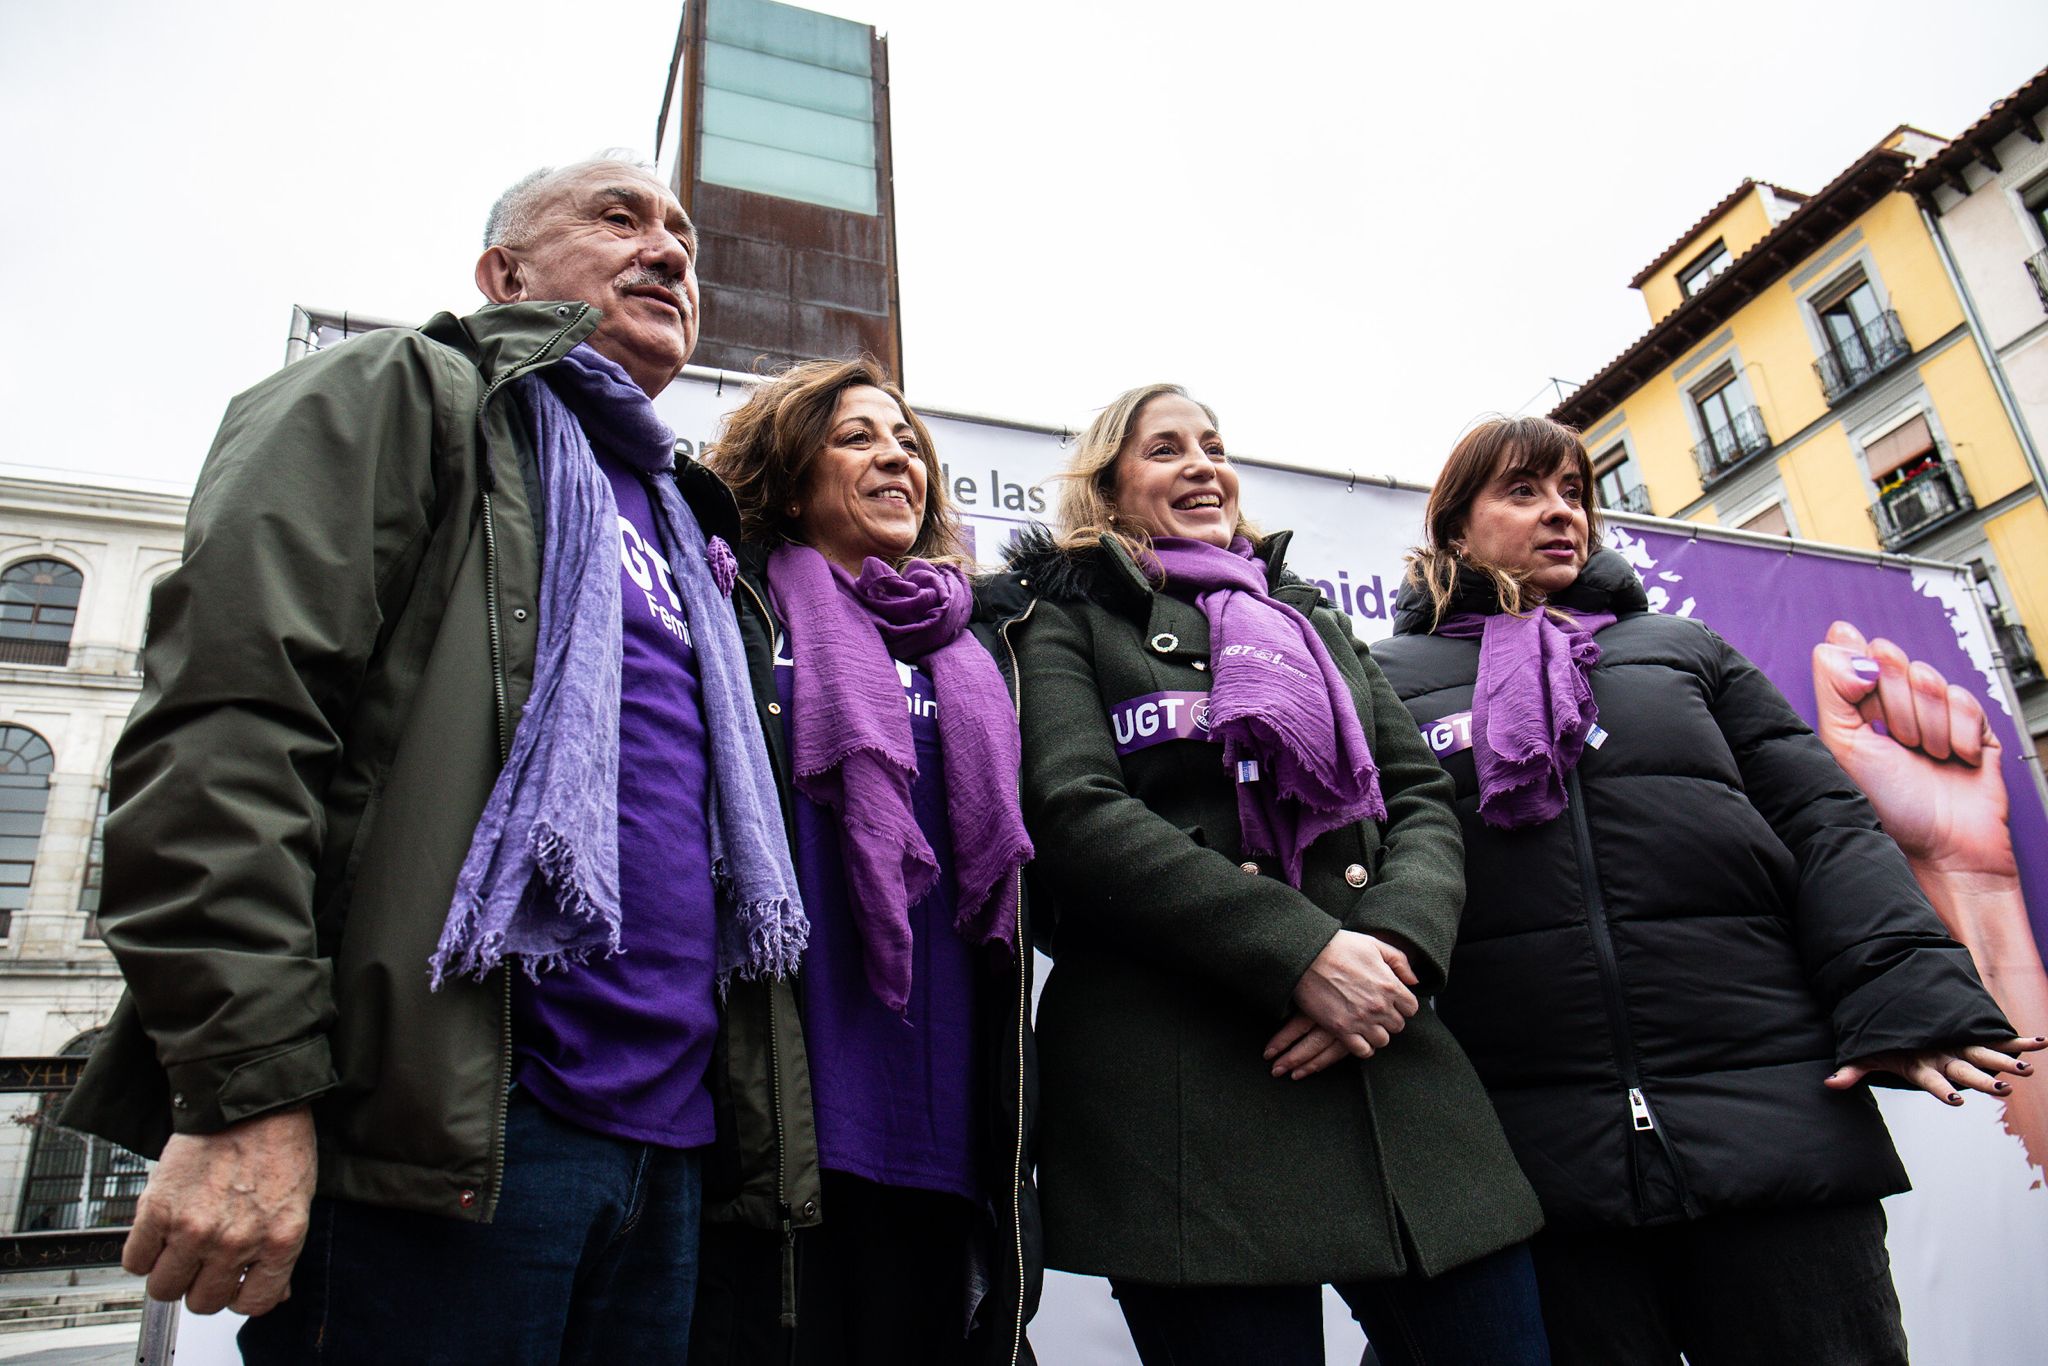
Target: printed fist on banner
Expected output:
[1919,748]
[1922,752]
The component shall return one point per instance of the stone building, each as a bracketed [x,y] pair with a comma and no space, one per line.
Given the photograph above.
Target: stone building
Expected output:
[76,565]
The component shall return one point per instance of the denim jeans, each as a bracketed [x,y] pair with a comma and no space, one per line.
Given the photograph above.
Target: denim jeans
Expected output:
[1786,1287]
[592,1258]
[1484,1313]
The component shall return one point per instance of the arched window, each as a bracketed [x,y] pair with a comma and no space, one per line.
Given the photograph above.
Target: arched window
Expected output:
[76,1180]
[38,608]
[25,763]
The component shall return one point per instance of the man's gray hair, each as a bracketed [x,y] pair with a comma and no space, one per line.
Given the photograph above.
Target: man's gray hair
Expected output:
[513,216]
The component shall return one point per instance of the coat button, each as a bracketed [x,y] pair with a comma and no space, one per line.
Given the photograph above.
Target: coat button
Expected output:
[1166,642]
[562,310]
[465,1198]
[1248,867]
[775,709]
[810,1208]
[1202,664]
[178,1101]
[1355,874]
[519,614]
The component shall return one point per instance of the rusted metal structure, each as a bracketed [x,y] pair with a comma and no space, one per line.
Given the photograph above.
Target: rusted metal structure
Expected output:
[783,161]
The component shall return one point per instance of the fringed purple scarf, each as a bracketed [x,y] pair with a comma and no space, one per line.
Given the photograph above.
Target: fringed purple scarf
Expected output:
[1532,708]
[1288,722]
[855,754]
[540,885]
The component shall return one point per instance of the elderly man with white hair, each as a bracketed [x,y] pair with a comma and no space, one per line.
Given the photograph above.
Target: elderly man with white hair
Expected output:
[442,817]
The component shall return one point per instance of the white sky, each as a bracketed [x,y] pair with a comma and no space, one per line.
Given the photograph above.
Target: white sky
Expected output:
[1350,227]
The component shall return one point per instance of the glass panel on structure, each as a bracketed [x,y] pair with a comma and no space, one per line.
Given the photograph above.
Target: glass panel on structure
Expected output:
[1695,276]
[788,106]
[95,866]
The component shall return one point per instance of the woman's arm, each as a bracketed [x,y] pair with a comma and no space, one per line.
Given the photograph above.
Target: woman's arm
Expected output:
[1879,958]
[1119,869]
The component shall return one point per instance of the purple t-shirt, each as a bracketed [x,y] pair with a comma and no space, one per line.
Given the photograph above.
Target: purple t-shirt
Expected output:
[894,1095]
[620,1044]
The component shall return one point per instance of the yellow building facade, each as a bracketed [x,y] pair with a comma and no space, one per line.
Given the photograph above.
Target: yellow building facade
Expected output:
[1810,370]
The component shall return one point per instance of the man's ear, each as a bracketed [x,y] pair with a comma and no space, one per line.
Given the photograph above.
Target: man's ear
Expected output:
[500,276]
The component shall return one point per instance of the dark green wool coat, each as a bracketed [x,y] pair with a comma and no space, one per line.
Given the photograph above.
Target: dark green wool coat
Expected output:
[1168,1152]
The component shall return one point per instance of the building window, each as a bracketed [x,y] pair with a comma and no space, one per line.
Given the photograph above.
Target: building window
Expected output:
[2013,642]
[1617,484]
[25,764]
[1860,339]
[95,865]
[1712,262]
[75,1180]
[38,608]
[1731,430]
[1768,521]
[1916,488]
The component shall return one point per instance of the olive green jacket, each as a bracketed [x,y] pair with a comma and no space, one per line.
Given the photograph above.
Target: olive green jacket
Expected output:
[1168,1153]
[330,685]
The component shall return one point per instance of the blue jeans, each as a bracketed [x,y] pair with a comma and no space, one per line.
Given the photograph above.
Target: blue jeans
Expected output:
[1484,1313]
[592,1258]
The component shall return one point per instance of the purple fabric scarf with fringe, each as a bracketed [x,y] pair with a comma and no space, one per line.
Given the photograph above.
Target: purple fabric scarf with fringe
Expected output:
[855,754]
[1288,723]
[540,884]
[1532,708]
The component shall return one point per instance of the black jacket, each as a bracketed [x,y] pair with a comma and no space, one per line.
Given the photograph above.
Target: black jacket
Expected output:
[1654,983]
[761,1081]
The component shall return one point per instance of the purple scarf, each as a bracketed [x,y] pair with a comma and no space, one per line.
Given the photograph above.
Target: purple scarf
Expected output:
[1532,708]
[1290,733]
[540,884]
[854,752]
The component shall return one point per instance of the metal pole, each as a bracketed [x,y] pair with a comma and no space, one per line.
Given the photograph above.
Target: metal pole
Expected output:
[159,1342]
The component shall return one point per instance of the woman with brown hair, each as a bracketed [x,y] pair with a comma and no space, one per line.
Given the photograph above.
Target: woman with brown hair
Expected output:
[1250,879]
[1686,940]
[868,1202]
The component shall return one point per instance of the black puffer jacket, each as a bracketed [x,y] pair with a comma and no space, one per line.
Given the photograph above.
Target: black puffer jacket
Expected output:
[1654,983]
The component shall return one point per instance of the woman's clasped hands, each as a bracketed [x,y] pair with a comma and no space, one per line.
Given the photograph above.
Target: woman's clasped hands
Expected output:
[1354,998]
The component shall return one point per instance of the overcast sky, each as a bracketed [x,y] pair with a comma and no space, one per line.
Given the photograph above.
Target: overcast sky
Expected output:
[1351,229]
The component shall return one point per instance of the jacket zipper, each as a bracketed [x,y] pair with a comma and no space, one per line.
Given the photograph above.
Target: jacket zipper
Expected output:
[1023,1025]
[787,1318]
[1642,1119]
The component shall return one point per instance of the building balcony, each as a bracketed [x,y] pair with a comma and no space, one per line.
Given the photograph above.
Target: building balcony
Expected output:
[2037,271]
[1850,363]
[2020,660]
[54,653]
[1634,498]
[1929,499]
[1729,446]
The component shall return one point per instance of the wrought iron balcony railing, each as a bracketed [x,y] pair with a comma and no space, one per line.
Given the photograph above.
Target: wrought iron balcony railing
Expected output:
[1634,498]
[1925,501]
[1851,362]
[14,650]
[1726,447]
[2013,642]
[2037,270]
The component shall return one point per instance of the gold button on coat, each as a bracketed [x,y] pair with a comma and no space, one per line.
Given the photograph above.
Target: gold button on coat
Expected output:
[1248,867]
[1355,874]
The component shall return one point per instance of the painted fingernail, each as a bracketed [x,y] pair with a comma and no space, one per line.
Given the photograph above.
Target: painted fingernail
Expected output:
[1955,1098]
[2023,1067]
[1863,666]
[2000,1087]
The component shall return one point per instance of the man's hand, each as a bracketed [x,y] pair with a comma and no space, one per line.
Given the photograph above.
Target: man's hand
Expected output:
[1357,992]
[224,1215]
